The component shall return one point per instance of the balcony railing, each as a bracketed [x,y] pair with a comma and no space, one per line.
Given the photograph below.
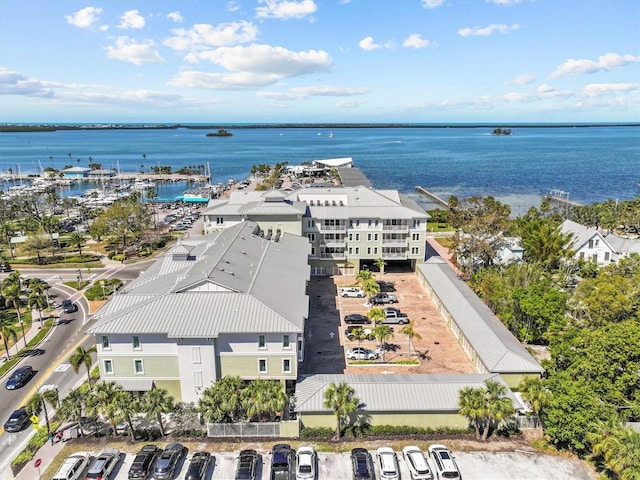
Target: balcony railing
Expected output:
[335,256]
[396,228]
[332,228]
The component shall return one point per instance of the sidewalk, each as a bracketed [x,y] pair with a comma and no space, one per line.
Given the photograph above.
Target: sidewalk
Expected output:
[46,454]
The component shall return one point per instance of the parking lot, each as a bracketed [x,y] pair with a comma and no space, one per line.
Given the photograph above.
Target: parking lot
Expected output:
[437,350]
[473,465]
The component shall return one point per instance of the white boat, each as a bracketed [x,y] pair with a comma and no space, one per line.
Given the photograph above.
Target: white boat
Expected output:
[330,134]
[140,184]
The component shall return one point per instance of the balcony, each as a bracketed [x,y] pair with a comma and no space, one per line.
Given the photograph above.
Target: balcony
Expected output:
[333,243]
[395,242]
[342,227]
[333,256]
[396,228]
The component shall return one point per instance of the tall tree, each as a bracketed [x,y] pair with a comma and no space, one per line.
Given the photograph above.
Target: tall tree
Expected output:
[8,331]
[77,239]
[12,293]
[341,398]
[534,391]
[155,402]
[410,332]
[222,401]
[82,356]
[264,399]
[73,404]
[124,406]
[472,405]
[382,333]
[498,406]
[380,263]
[38,302]
[101,401]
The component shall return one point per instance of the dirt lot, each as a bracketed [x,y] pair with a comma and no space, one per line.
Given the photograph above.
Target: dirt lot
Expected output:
[507,463]
[437,350]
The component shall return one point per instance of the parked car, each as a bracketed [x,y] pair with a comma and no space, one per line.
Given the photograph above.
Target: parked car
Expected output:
[360,353]
[350,333]
[19,377]
[356,319]
[143,462]
[5,267]
[68,306]
[386,286]
[17,421]
[281,462]
[198,466]
[103,465]
[418,465]
[395,316]
[383,298]
[352,292]
[388,464]
[72,467]
[247,465]
[361,464]
[168,460]
[306,460]
[444,464]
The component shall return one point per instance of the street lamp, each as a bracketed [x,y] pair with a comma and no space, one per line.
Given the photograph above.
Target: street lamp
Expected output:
[102,285]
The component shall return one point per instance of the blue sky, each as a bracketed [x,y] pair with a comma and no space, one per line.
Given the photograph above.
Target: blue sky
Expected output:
[215,61]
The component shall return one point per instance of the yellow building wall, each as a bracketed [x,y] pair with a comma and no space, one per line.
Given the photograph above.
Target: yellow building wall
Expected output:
[246,367]
[171,386]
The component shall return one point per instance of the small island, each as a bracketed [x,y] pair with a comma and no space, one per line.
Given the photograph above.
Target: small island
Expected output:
[220,133]
[501,131]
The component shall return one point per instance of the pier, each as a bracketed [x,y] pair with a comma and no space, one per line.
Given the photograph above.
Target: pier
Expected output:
[560,197]
[432,196]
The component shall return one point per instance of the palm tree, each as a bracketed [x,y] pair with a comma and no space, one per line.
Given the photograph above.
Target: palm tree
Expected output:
[222,401]
[536,394]
[123,406]
[409,331]
[377,314]
[34,404]
[73,405]
[101,401]
[52,397]
[359,334]
[8,331]
[342,400]
[83,356]
[11,291]
[472,405]
[380,263]
[156,402]
[77,239]
[370,287]
[382,334]
[619,447]
[264,398]
[498,406]
[39,302]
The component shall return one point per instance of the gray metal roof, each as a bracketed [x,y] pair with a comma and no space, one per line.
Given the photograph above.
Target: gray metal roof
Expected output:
[133,384]
[395,392]
[236,283]
[496,346]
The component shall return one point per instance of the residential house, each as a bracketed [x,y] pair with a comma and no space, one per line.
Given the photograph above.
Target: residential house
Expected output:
[598,245]
[216,305]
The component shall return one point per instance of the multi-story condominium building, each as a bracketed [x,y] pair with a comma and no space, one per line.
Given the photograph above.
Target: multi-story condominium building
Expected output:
[215,306]
[345,226]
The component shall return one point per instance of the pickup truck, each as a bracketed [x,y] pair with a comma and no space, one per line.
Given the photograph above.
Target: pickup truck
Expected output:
[367,333]
[383,298]
[395,316]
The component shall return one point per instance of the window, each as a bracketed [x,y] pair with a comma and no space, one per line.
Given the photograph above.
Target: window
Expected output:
[313,251]
[195,355]
[219,220]
[368,237]
[375,237]
[197,378]
[350,251]
[351,237]
[138,367]
[357,237]
[590,243]
[415,250]
[136,342]
[105,342]
[606,256]
[357,250]
[311,237]
[416,224]
[286,343]
[368,250]
[262,365]
[375,250]
[261,342]
[108,367]
[597,242]
[415,237]
[310,222]
[286,365]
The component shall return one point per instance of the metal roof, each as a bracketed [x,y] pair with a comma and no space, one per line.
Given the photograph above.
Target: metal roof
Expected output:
[395,392]
[496,347]
[133,384]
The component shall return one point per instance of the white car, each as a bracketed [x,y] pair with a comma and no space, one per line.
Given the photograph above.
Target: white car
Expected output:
[359,353]
[444,464]
[388,464]
[305,463]
[418,466]
[352,292]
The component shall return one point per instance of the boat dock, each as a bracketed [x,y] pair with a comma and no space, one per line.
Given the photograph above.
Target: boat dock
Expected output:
[560,197]
[432,196]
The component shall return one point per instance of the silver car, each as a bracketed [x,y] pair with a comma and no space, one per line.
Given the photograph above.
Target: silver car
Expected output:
[360,353]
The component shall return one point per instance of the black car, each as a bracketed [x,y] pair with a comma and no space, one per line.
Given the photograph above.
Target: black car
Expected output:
[168,460]
[386,286]
[18,420]
[19,378]
[5,267]
[362,464]
[68,306]
[247,465]
[198,466]
[356,319]
[143,462]
[281,467]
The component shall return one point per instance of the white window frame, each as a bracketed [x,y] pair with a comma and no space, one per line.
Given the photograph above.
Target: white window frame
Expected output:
[266,366]
[196,356]
[286,342]
[139,346]
[262,342]
[108,370]
[106,343]
[198,381]
[136,362]
[284,362]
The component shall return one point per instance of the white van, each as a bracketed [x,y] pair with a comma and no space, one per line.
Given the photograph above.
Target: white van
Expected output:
[72,467]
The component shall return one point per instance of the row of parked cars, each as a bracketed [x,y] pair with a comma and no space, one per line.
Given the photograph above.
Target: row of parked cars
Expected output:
[286,463]
[444,465]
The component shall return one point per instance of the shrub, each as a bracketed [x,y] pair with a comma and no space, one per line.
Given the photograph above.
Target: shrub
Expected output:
[317,433]
[190,433]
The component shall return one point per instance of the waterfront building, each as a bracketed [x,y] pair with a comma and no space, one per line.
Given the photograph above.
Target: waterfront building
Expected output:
[601,246]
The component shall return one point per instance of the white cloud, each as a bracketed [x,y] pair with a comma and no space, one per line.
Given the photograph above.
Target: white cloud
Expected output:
[608,61]
[523,79]
[545,88]
[488,30]
[129,50]
[223,81]
[505,3]
[313,91]
[368,44]
[88,17]
[431,3]
[175,16]
[15,83]
[601,89]
[266,60]
[415,40]
[131,19]
[203,35]
[285,9]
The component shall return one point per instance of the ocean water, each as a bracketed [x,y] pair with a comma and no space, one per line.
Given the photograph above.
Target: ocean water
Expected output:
[592,164]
